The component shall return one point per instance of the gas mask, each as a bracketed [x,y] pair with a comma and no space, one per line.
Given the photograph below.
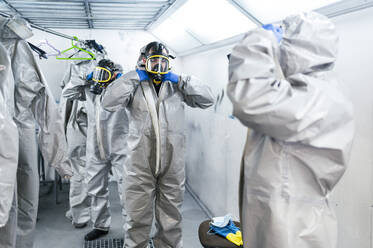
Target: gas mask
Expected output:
[103,75]
[157,61]
[157,65]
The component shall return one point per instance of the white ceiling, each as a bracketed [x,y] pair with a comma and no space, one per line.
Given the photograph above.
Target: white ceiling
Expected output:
[186,26]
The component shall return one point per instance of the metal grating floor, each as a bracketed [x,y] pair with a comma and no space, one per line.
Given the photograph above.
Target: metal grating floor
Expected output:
[108,243]
[104,243]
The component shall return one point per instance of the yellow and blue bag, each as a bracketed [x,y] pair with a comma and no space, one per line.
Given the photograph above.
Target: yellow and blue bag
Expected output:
[225,227]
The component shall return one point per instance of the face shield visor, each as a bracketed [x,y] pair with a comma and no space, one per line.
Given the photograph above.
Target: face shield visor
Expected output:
[157,64]
[101,75]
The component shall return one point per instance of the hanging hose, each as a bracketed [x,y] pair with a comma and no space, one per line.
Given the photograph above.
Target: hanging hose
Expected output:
[154,116]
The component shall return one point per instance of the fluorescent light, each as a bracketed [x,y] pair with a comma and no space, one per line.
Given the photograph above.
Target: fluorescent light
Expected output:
[212,20]
[174,35]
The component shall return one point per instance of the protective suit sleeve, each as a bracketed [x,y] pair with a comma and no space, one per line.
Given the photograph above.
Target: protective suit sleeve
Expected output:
[75,88]
[65,108]
[66,77]
[304,110]
[8,161]
[119,93]
[65,105]
[9,136]
[195,93]
[37,98]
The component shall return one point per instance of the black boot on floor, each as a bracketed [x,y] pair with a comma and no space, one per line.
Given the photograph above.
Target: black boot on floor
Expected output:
[95,234]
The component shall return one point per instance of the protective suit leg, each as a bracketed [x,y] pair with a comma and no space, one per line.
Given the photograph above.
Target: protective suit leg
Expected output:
[27,187]
[277,212]
[114,140]
[79,200]
[138,204]
[8,233]
[97,185]
[118,162]
[168,203]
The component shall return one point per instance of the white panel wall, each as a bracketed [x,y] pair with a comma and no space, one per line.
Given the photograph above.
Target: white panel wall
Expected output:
[354,67]
[215,142]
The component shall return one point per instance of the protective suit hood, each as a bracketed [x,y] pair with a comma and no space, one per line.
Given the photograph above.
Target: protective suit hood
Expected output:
[309,44]
[140,65]
[7,33]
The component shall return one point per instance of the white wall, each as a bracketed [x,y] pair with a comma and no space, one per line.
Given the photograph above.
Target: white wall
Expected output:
[215,142]
[122,47]
[354,68]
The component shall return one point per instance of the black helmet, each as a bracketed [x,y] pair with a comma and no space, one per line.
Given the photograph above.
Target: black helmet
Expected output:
[106,63]
[156,48]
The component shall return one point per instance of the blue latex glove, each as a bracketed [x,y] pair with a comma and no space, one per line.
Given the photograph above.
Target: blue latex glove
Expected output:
[232,227]
[118,75]
[89,76]
[277,31]
[143,75]
[172,77]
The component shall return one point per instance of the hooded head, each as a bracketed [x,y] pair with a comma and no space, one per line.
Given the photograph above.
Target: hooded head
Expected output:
[118,68]
[309,44]
[157,61]
[106,71]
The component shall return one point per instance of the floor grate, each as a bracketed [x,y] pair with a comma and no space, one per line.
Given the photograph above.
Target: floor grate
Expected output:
[104,243]
[108,243]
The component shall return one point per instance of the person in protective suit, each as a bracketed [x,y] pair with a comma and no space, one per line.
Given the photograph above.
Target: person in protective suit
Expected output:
[103,130]
[302,132]
[8,149]
[33,103]
[154,175]
[74,123]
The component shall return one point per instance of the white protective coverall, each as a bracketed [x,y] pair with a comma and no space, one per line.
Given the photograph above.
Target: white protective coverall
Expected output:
[9,148]
[34,103]
[105,146]
[302,133]
[74,116]
[155,183]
